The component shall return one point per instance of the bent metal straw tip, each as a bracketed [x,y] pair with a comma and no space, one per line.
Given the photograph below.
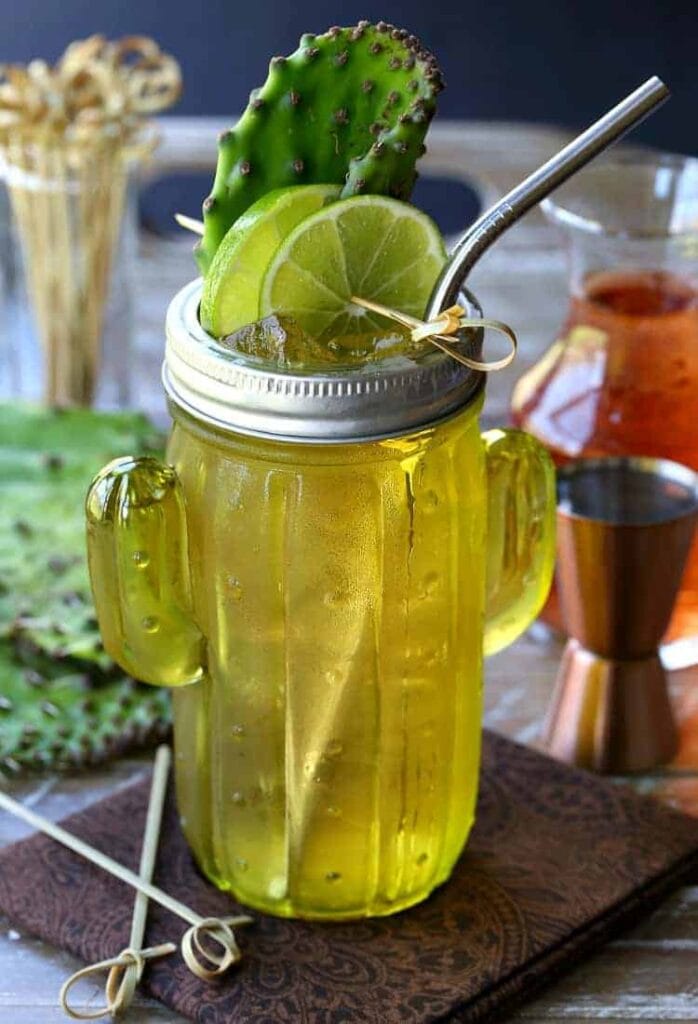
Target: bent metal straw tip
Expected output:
[478,238]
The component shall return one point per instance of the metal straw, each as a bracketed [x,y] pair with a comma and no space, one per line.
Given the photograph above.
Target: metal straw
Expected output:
[495,221]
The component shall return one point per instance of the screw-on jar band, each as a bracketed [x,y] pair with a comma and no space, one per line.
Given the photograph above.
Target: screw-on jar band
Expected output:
[382,399]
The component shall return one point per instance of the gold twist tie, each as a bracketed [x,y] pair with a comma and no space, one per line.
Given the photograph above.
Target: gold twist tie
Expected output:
[202,960]
[126,969]
[440,332]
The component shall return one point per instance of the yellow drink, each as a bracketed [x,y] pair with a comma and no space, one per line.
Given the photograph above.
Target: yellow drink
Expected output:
[327,745]
[341,590]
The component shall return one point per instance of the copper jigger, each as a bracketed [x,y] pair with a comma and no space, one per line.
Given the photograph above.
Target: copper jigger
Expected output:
[625,527]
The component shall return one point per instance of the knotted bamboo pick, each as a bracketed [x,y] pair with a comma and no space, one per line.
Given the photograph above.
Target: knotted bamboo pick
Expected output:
[201,960]
[126,969]
[441,329]
[190,223]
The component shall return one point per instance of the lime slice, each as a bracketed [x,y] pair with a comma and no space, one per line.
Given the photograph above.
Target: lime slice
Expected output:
[230,297]
[370,246]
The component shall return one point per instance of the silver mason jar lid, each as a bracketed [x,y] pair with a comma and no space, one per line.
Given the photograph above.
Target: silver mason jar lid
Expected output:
[383,399]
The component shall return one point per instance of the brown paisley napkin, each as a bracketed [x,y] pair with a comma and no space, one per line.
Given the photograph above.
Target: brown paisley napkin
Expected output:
[558,862]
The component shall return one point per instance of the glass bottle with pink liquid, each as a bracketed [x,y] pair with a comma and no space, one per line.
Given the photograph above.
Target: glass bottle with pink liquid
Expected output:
[622,377]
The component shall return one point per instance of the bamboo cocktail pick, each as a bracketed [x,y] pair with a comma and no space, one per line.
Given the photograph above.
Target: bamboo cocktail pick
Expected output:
[70,136]
[442,329]
[190,223]
[201,960]
[126,969]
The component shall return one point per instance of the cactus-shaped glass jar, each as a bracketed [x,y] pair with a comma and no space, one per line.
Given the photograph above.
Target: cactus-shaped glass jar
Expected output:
[316,573]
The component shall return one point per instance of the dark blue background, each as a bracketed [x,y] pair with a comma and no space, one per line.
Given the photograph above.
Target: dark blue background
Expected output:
[562,62]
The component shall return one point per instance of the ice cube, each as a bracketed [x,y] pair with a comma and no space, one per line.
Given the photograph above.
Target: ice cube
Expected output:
[372,346]
[277,340]
[281,341]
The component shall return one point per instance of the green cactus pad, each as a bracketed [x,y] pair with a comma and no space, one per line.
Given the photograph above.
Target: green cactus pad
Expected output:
[349,107]
[62,701]
[45,602]
[54,716]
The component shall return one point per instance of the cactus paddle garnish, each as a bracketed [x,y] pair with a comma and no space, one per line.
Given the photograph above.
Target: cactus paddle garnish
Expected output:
[63,702]
[350,107]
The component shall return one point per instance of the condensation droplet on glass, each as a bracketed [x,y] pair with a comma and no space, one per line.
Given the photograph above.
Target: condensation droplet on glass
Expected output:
[423,858]
[334,812]
[429,584]
[431,499]
[333,749]
[140,558]
[431,656]
[334,597]
[238,799]
[241,864]
[616,416]
[333,876]
[151,623]
[238,731]
[234,588]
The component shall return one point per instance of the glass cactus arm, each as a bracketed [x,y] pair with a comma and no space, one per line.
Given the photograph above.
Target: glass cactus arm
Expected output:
[520,534]
[139,569]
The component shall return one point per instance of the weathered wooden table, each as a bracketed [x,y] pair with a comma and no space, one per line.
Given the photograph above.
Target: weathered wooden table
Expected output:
[648,975]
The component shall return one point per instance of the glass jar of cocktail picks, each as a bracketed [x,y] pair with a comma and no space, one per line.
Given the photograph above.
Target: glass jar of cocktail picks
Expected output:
[72,138]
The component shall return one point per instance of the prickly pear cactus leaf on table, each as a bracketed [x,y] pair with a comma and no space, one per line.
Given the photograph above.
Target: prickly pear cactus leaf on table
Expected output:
[47,460]
[65,438]
[63,702]
[349,107]
[53,715]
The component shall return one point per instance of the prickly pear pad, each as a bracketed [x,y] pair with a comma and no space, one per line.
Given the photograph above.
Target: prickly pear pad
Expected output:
[349,107]
[63,703]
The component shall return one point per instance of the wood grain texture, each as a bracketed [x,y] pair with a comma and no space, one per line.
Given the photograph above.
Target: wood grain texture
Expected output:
[650,974]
